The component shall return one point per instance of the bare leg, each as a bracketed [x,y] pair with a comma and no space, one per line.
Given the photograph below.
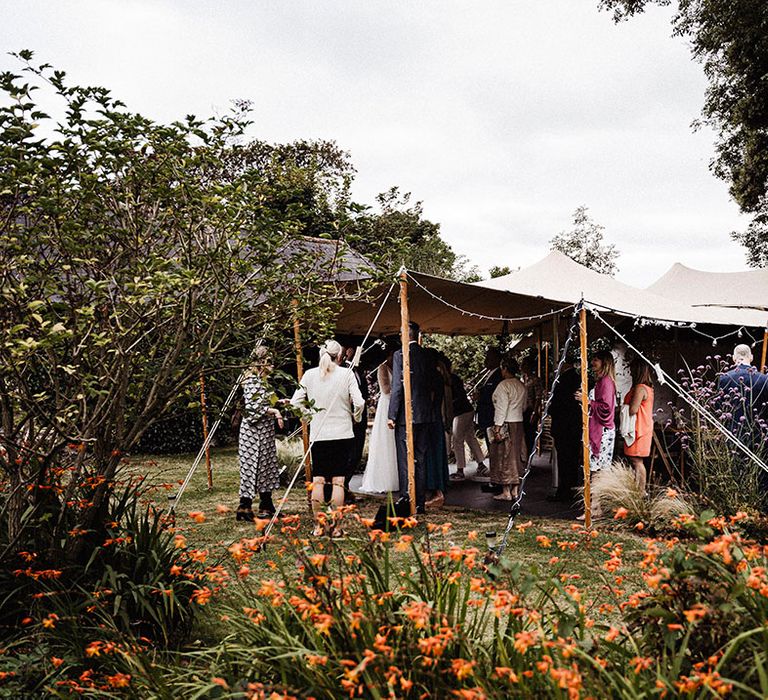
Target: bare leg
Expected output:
[318,499]
[641,475]
[337,494]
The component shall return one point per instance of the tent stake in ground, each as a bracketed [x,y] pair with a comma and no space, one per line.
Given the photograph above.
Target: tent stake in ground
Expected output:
[299,375]
[585,415]
[405,340]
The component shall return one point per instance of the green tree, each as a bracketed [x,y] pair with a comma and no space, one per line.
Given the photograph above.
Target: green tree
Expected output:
[133,255]
[498,271]
[728,38]
[584,243]
[398,234]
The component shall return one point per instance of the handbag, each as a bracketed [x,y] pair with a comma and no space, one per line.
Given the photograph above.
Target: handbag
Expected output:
[497,433]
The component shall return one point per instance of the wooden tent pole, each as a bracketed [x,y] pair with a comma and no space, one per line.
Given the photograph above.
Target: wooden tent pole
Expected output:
[405,339]
[585,416]
[299,375]
[204,411]
[546,366]
[765,347]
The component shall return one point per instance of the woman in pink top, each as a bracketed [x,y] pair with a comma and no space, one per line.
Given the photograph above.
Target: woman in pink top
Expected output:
[602,412]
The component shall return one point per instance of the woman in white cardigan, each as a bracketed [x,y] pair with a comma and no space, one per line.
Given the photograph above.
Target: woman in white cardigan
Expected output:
[508,449]
[335,400]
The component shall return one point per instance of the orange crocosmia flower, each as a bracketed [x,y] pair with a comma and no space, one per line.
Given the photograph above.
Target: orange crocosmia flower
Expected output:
[198,555]
[418,612]
[671,493]
[220,682]
[640,663]
[179,541]
[202,596]
[323,623]
[640,526]
[696,613]
[176,570]
[620,514]
[56,661]
[525,640]
[522,527]
[472,535]
[317,560]
[612,634]
[367,522]
[197,515]
[94,649]
[405,684]
[316,660]
[119,680]
[222,509]
[674,627]
[50,621]
[543,541]
[244,571]
[462,669]
[506,672]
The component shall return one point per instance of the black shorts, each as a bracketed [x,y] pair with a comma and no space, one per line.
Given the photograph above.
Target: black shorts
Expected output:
[330,458]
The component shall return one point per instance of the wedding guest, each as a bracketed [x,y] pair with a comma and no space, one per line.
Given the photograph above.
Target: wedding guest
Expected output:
[533,398]
[602,412]
[381,468]
[508,451]
[437,473]
[257,453]
[566,430]
[360,428]
[335,397]
[485,410]
[744,393]
[640,401]
[425,386]
[463,428]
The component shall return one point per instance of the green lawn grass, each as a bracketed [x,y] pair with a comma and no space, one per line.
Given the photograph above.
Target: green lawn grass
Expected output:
[220,528]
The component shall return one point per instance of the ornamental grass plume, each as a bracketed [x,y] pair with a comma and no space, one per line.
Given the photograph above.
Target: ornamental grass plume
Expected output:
[617,493]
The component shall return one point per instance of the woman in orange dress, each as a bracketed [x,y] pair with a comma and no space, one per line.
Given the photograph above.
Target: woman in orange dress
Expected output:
[640,402]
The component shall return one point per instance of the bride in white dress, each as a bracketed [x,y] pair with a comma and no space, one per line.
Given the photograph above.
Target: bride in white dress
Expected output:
[381,468]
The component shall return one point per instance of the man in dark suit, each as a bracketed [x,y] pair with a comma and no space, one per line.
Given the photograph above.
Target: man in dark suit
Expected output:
[359,429]
[744,394]
[566,431]
[425,387]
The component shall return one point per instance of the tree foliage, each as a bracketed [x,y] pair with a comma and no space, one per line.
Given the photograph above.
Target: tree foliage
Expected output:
[729,38]
[398,234]
[584,243]
[133,255]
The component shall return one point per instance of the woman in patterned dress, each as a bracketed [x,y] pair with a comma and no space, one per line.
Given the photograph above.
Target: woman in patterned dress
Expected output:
[259,470]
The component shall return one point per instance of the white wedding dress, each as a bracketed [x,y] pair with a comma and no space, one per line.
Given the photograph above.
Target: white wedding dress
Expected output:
[381,468]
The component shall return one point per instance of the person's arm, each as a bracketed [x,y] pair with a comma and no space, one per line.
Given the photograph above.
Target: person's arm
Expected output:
[500,402]
[358,402]
[396,396]
[299,398]
[639,394]
[602,406]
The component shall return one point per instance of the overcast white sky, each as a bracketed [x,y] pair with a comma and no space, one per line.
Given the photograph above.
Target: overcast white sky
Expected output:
[502,117]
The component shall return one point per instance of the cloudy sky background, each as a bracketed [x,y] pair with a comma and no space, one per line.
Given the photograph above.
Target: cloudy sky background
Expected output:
[502,117]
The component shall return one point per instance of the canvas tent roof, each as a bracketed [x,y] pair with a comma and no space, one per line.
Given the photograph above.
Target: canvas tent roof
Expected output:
[558,278]
[526,298]
[747,289]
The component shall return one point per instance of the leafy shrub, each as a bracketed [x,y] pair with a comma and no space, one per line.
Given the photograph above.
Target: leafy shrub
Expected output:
[63,615]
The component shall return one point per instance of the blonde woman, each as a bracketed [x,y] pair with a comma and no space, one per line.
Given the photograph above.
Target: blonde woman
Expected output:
[602,412]
[259,470]
[335,398]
